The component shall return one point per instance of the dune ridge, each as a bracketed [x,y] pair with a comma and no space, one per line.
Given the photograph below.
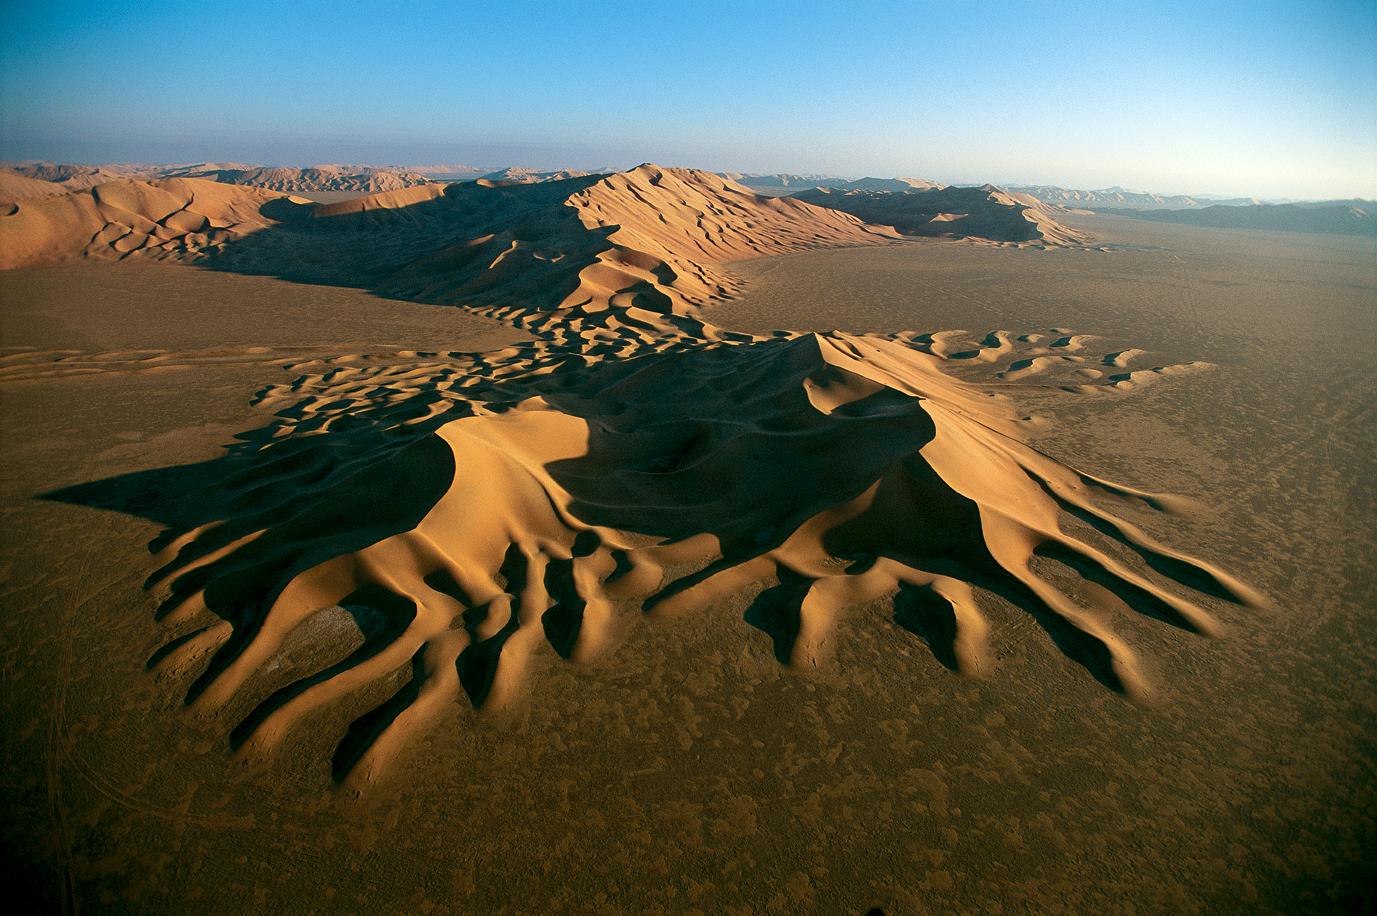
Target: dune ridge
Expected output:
[16,187]
[365,180]
[70,177]
[519,175]
[649,242]
[1121,198]
[412,530]
[170,219]
[986,213]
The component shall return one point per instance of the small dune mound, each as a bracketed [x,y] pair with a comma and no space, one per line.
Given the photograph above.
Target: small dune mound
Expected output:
[986,213]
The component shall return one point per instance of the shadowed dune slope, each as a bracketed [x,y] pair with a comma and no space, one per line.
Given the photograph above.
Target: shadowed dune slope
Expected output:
[986,213]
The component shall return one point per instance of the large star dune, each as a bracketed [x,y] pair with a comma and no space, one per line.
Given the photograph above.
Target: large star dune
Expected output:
[427,521]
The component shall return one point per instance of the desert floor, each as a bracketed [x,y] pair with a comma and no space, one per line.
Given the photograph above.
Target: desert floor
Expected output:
[688,769]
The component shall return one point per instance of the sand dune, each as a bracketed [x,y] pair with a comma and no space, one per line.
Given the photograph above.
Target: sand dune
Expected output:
[15,187]
[177,218]
[318,178]
[518,175]
[70,177]
[884,184]
[650,238]
[490,505]
[790,184]
[984,213]
[428,521]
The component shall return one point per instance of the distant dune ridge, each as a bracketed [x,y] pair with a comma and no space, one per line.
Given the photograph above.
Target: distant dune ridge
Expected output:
[444,170]
[194,218]
[319,178]
[776,179]
[428,522]
[884,184]
[15,186]
[1357,217]
[795,183]
[452,243]
[517,175]
[69,177]
[987,213]
[363,179]
[174,218]
[1122,199]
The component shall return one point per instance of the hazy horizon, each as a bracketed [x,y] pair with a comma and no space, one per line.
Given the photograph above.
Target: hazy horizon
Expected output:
[1275,100]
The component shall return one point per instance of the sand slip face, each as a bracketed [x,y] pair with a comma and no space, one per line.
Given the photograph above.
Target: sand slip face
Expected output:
[431,523]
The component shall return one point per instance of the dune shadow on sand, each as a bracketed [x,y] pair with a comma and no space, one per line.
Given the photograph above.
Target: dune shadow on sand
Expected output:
[465,511]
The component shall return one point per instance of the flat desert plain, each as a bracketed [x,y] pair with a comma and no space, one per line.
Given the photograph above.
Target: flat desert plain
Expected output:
[1216,755]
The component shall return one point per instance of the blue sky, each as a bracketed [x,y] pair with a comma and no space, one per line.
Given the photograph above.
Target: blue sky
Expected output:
[1252,97]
